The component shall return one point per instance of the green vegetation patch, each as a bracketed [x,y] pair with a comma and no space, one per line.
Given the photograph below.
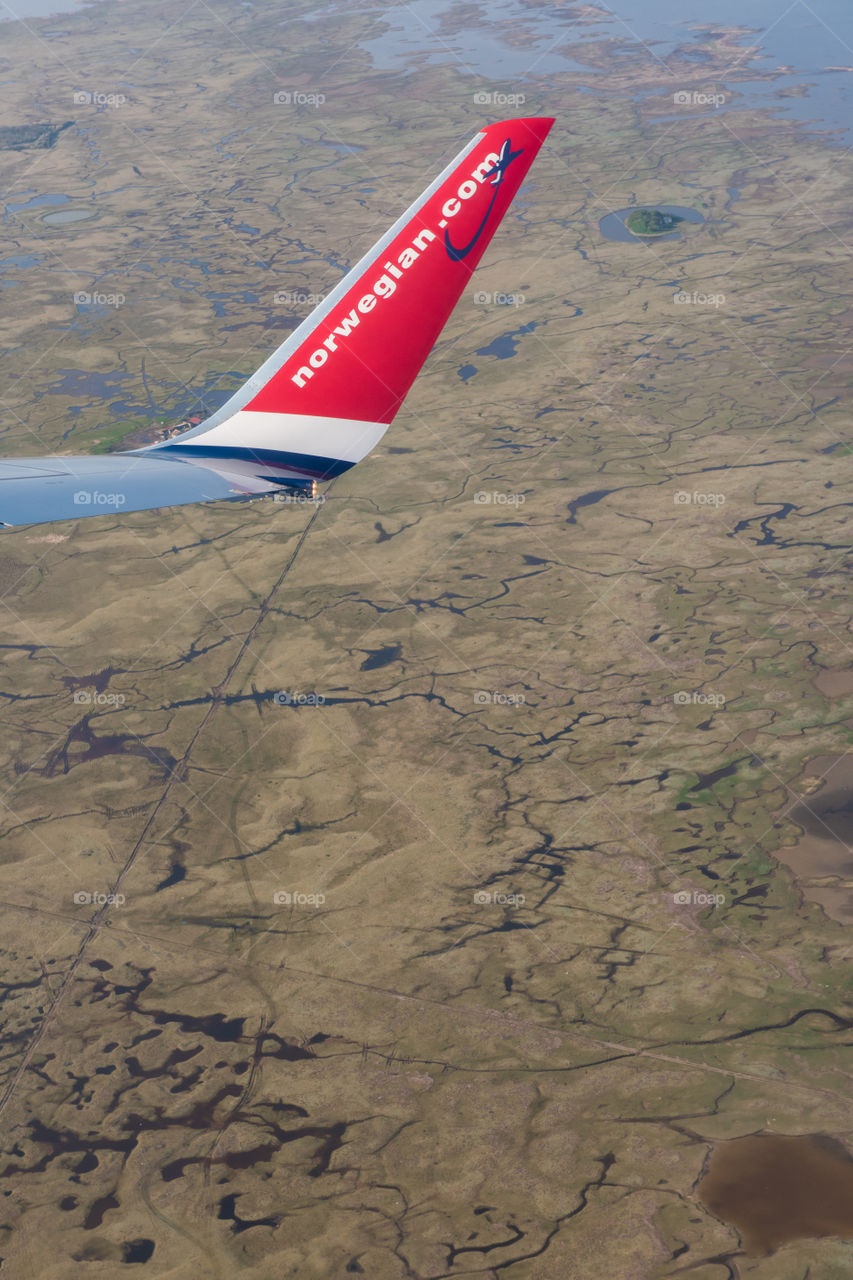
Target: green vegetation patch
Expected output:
[651,222]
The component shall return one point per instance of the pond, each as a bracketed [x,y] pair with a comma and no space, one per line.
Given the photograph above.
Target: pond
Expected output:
[613,224]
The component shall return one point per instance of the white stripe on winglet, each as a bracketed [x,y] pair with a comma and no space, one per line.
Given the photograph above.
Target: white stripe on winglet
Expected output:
[346,439]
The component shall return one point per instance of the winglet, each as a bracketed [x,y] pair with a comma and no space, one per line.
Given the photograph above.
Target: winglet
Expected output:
[327,395]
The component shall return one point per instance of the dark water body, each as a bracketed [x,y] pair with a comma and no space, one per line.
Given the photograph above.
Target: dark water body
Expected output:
[828,815]
[137,1250]
[381,657]
[115,391]
[68,215]
[505,346]
[812,43]
[613,224]
[86,382]
[20,260]
[773,1189]
[585,500]
[36,201]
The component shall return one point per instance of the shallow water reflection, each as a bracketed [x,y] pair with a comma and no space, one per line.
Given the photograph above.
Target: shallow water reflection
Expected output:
[774,1188]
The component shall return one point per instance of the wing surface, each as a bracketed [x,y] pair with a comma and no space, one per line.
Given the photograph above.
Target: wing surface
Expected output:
[325,398]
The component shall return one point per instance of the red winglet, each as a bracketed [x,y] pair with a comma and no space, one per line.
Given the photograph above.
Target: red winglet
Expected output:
[361,357]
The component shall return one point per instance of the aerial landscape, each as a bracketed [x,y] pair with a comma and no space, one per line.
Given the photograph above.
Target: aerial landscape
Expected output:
[444,871]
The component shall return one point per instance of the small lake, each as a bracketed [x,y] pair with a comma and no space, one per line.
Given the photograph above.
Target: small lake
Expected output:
[36,202]
[613,227]
[774,1188]
[64,216]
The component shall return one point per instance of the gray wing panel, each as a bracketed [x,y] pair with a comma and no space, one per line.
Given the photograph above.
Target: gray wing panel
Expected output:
[37,490]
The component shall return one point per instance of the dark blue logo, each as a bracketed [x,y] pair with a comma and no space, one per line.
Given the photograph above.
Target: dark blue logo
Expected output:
[497,173]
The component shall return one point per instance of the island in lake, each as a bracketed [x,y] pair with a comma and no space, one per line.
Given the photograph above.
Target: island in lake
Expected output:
[651,222]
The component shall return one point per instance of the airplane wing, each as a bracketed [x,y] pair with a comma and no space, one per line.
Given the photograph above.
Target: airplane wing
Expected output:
[324,399]
[37,490]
